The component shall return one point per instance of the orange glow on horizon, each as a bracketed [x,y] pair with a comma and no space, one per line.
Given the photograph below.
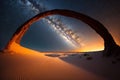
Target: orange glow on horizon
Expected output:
[91,47]
[20,49]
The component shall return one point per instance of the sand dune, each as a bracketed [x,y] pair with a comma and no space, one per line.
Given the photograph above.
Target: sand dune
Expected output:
[21,63]
[35,66]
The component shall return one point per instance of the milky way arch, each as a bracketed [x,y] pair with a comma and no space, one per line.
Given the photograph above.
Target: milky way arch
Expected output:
[109,43]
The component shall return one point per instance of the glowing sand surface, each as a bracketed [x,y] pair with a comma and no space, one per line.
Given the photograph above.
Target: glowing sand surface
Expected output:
[33,67]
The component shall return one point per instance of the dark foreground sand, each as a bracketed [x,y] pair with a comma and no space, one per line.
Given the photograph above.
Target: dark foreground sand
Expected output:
[61,66]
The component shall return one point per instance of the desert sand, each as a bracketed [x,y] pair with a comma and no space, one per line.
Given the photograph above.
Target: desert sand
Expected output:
[58,66]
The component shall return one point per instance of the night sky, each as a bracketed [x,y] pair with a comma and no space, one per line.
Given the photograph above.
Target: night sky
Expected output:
[42,37]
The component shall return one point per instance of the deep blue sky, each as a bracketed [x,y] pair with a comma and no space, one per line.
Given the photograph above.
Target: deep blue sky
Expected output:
[41,37]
